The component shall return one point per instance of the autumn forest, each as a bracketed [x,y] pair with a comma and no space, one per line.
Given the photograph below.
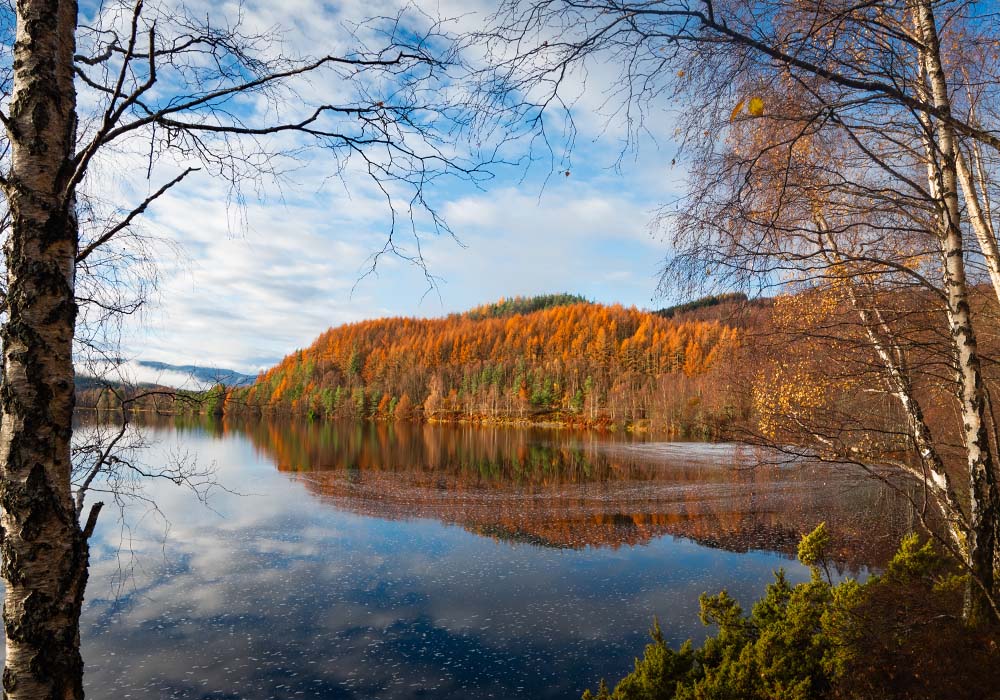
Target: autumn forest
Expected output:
[187,187]
[554,358]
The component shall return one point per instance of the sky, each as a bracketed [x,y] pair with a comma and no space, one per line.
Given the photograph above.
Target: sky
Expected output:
[241,287]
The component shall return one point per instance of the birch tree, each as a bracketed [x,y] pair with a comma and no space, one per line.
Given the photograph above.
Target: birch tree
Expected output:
[836,149]
[174,93]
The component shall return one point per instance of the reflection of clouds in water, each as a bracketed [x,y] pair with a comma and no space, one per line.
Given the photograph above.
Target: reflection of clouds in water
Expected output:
[476,614]
[283,595]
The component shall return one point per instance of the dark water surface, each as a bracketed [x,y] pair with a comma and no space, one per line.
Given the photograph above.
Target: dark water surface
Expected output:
[368,561]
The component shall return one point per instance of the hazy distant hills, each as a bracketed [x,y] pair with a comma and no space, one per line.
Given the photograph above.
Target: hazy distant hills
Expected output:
[209,375]
[150,373]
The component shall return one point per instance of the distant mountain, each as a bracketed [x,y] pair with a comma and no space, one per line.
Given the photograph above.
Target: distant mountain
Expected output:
[207,375]
[148,373]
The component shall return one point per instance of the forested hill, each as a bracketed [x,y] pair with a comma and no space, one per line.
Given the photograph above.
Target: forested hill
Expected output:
[553,357]
[514,306]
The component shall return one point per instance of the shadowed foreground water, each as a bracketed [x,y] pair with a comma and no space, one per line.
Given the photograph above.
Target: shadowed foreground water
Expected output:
[370,561]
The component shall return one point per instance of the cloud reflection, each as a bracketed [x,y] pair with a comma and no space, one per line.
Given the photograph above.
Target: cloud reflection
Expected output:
[328,584]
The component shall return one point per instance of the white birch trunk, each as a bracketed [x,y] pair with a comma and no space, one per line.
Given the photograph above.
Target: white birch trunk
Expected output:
[984,505]
[979,218]
[43,556]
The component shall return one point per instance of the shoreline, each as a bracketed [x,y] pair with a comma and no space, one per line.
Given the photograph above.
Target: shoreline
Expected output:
[550,422]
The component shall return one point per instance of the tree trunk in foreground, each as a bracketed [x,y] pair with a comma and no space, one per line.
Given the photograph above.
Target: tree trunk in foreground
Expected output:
[44,551]
[944,180]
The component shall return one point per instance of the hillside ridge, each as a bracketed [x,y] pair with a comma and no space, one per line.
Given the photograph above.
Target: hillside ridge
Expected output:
[556,357]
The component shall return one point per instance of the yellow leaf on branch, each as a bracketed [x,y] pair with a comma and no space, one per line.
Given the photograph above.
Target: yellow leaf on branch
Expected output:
[736,110]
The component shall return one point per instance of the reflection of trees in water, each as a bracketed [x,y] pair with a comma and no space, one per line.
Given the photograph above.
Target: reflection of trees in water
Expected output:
[575,489]
[569,490]
[471,456]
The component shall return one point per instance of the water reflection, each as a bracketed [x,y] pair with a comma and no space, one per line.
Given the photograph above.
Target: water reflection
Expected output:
[567,490]
[421,561]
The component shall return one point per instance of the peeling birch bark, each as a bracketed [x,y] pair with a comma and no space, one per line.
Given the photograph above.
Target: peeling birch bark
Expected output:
[44,551]
[984,505]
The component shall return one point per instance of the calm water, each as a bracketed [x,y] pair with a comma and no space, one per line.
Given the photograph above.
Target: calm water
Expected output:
[408,562]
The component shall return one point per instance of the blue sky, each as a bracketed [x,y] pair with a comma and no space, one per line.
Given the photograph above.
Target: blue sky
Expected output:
[244,295]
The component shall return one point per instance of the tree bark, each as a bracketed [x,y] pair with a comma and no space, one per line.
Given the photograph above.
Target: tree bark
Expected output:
[980,220]
[932,472]
[44,551]
[984,503]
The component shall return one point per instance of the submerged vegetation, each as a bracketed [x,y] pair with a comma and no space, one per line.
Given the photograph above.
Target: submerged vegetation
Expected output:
[897,635]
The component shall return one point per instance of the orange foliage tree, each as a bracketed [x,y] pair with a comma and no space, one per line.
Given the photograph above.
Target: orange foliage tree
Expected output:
[502,361]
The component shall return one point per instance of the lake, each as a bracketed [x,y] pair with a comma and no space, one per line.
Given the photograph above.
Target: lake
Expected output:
[409,561]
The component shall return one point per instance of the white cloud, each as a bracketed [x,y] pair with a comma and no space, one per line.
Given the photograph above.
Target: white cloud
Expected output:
[243,301]
[131,372]
[258,282]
